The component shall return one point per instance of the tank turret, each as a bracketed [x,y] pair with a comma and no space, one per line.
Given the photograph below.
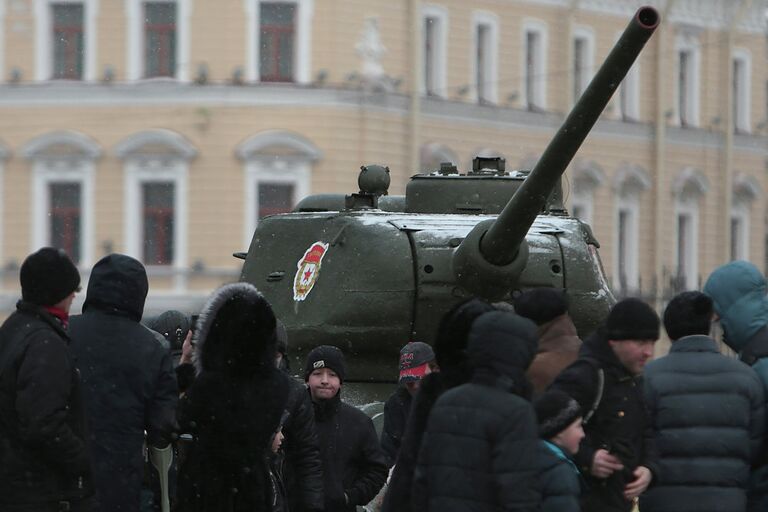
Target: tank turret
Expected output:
[370,271]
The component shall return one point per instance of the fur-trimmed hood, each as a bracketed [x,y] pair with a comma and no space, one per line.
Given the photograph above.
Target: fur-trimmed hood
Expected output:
[236,332]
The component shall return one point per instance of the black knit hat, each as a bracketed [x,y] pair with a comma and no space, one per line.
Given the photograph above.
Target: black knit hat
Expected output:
[173,325]
[632,319]
[325,356]
[541,304]
[48,276]
[555,411]
[688,313]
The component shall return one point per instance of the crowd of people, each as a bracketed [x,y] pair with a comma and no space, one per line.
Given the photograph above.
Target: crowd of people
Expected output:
[509,410]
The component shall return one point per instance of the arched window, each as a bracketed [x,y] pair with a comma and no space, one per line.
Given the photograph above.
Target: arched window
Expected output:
[629,184]
[688,188]
[156,167]
[63,166]
[586,177]
[278,168]
[745,190]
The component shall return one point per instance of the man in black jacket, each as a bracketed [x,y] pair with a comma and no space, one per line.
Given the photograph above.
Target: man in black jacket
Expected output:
[43,458]
[617,456]
[708,414]
[479,450]
[354,467]
[129,386]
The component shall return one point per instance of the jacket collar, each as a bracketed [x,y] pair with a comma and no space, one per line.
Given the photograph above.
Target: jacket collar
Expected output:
[695,343]
[40,312]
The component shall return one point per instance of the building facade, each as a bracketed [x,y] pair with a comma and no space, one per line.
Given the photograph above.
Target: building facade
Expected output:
[166,128]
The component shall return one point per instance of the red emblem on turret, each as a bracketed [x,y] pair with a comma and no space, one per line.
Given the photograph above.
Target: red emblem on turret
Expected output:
[308,269]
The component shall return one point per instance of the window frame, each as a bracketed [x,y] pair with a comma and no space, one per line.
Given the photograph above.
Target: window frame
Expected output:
[439,65]
[740,211]
[688,44]
[628,203]
[587,35]
[539,93]
[742,102]
[627,99]
[136,64]
[491,21]
[44,39]
[302,62]
[46,171]
[688,207]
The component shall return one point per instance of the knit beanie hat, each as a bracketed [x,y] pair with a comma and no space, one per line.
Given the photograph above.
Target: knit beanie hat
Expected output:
[688,313]
[325,356]
[555,411]
[632,319]
[414,361]
[541,304]
[173,325]
[48,276]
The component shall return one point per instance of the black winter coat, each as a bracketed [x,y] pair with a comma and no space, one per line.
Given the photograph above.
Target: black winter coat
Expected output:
[302,468]
[560,482]
[43,456]
[353,463]
[129,385]
[396,411]
[479,448]
[620,424]
[708,416]
[233,407]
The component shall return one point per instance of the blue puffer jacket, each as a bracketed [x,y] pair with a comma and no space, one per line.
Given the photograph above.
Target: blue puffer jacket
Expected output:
[738,290]
[560,480]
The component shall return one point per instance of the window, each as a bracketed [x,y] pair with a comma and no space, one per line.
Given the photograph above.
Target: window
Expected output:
[159,39]
[68,41]
[745,190]
[278,167]
[63,167]
[156,168]
[277,41]
[587,176]
[689,187]
[583,60]
[687,92]
[484,57]
[435,23]
[741,90]
[738,237]
[629,93]
[534,65]
[65,213]
[65,39]
[278,36]
[629,183]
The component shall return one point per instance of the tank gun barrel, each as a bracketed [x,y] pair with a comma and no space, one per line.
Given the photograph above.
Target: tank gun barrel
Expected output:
[501,243]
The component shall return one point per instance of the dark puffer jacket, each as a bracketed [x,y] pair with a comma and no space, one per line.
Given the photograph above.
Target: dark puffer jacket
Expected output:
[129,385]
[353,463]
[708,417]
[397,408]
[303,467]
[479,449]
[43,457]
[233,407]
[560,481]
[620,424]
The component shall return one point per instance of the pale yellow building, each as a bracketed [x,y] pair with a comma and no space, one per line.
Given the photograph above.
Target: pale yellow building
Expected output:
[165,128]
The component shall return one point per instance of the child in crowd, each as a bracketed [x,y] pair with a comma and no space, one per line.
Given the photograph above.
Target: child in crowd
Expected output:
[561,433]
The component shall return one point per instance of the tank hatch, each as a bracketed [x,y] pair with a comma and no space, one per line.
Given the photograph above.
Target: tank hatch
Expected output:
[484,190]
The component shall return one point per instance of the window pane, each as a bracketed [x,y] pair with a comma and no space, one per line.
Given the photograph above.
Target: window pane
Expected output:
[68,41]
[275,198]
[158,216]
[683,97]
[160,39]
[579,63]
[531,54]
[623,247]
[482,62]
[683,228]
[65,218]
[429,54]
[277,30]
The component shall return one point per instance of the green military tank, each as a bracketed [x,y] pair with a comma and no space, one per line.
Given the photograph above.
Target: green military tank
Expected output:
[368,272]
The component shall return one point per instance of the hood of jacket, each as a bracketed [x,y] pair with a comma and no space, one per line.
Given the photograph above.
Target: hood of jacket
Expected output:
[236,332]
[118,285]
[501,347]
[738,292]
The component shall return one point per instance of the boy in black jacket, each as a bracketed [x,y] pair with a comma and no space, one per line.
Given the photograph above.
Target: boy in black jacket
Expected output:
[354,467]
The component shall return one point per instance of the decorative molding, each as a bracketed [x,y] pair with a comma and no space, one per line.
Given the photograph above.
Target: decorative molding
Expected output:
[587,175]
[690,183]
[745,188]
[257,145]
[631,179]
[135,145]
[38,147]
